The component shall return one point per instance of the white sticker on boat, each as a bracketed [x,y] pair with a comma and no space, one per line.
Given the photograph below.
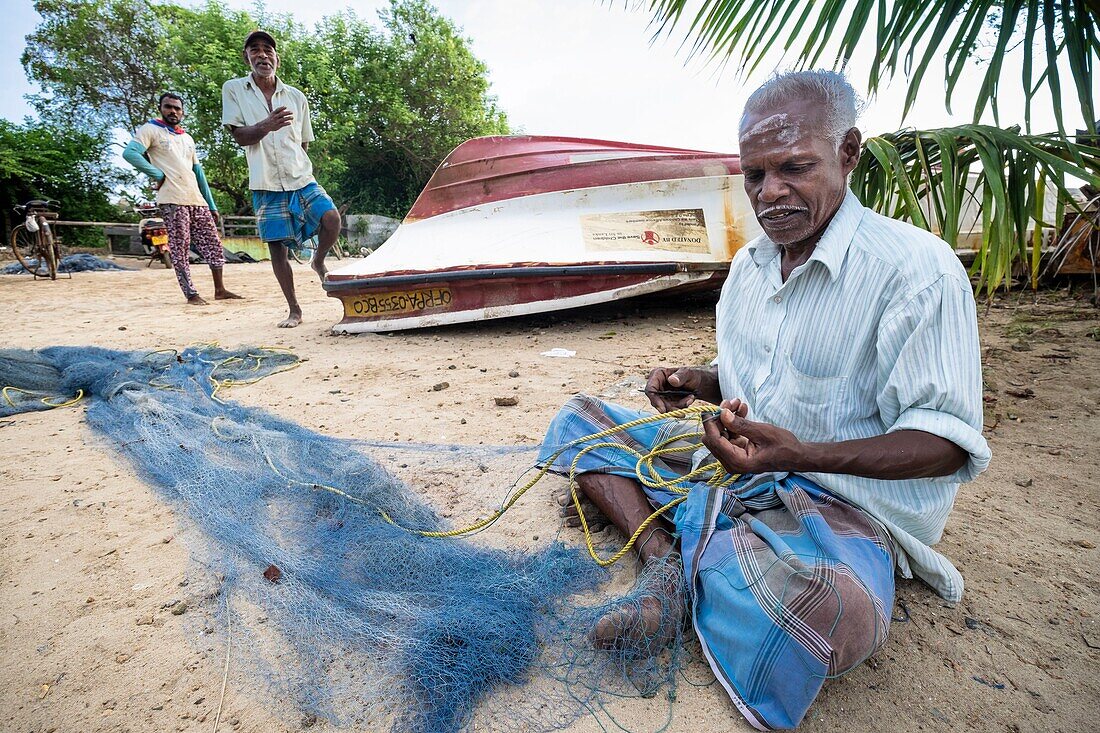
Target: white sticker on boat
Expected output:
[668,230]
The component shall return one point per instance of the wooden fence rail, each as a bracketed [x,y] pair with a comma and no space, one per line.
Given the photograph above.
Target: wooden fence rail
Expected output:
[103,224]
[235,225]
[231,226]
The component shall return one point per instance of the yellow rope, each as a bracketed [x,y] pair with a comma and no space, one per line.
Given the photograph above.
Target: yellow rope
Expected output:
[575,496]
[221,383]
[44,397]
[717,477]
[271,464]
[483,523]
[645,470]
[67,403]
[717,474]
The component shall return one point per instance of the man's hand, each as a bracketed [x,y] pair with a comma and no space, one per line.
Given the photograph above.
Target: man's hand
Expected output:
[674,388]
[279,118]
[744,446]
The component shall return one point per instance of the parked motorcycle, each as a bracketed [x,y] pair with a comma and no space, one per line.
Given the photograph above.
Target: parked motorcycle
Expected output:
[154,235]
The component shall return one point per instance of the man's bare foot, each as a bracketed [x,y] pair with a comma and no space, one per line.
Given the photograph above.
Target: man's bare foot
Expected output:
[292,320]
[648,619]
[318,266]
[593,516]
[196,300]
[226,295]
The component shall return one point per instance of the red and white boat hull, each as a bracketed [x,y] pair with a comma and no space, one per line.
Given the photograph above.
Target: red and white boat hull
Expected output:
[461,296]
[510,226]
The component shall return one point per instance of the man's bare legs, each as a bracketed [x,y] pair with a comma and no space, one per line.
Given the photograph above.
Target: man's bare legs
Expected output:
[280,263]
[326,237]
[623,502]
[220,293]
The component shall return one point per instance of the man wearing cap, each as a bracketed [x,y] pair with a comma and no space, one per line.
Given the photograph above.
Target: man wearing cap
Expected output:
[270,120]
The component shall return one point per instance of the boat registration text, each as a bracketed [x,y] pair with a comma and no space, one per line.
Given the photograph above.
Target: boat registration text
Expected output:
[396,303]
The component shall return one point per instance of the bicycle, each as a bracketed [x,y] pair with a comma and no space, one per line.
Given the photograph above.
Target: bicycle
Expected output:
[33,241]
[340,248]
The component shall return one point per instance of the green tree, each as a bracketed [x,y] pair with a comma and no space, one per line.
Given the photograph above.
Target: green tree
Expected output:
[389,100]
[905,168]
[98,62]
[909,36]
[414,91]
[45,160]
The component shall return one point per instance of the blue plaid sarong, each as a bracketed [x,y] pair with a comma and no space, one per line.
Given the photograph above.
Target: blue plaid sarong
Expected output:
[291,216]
[789,584]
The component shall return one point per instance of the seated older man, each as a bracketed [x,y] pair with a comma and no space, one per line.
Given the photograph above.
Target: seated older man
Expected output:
[849,378]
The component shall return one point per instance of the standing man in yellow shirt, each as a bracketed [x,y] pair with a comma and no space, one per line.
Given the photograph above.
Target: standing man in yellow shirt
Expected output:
[163,150]
[270,120]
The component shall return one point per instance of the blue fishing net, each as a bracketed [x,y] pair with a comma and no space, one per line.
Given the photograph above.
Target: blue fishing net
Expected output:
[70,263]
[310,551]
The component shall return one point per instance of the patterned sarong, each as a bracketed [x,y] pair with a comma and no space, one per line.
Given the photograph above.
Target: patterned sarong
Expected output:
[790,584]
[191,226]
[291,216]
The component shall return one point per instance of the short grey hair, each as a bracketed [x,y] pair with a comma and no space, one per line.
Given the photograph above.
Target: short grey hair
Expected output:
[839,100]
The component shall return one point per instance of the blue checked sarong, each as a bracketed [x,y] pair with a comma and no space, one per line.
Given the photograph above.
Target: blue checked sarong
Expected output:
[291,216]
[790,585]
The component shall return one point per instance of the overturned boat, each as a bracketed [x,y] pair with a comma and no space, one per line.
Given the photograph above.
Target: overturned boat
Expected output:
[523,224]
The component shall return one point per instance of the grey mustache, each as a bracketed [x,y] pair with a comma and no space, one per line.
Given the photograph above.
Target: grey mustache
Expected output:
[777,209]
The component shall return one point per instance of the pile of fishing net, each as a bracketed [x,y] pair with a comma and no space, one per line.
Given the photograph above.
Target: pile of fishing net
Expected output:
[69,263]
[318,574]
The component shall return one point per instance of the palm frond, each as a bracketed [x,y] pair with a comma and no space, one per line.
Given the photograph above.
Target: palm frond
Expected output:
[950,179]
[909,36]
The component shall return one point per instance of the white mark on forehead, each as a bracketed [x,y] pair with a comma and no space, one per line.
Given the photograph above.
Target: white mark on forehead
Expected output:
[769,124]
[787,129]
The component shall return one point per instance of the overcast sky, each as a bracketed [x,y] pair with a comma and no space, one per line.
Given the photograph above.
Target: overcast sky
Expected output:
[589,69]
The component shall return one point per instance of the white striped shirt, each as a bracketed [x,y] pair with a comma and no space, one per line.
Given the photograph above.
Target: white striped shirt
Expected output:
[278,162]
[876,332]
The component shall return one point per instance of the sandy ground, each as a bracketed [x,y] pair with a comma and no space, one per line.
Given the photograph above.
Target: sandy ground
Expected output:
[91,560]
